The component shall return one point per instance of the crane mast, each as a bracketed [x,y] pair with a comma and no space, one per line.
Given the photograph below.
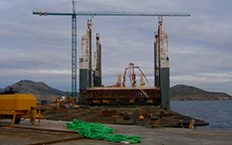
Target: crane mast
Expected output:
[74,52]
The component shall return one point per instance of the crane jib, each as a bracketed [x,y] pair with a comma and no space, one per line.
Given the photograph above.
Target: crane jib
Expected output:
[114,13]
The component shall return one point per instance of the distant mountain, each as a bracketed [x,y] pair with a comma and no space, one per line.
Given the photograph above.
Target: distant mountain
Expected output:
[39,89]
[184,92]
[179,92]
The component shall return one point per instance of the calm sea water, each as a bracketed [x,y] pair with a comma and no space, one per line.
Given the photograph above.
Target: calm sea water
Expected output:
[217,113]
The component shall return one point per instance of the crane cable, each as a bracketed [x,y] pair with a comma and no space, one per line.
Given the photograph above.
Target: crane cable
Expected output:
[61,5]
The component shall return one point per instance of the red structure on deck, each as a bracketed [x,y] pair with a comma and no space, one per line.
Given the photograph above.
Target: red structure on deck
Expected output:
[124,96]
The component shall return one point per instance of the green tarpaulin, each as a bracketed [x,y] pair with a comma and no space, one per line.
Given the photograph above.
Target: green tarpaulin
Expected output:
[100,132]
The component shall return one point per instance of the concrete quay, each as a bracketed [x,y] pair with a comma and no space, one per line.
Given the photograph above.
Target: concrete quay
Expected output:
[55,132]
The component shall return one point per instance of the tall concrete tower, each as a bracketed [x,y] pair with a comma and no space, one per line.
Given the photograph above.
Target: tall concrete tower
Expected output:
[85,61]
[162,72]
[97,74]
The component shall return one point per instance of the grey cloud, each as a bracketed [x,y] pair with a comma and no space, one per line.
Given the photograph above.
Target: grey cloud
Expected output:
[39,48]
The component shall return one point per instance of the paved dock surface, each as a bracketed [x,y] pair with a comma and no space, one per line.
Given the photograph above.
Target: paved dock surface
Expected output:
[55,131]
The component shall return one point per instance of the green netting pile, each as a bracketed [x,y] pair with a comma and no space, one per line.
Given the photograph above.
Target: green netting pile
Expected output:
[100,132]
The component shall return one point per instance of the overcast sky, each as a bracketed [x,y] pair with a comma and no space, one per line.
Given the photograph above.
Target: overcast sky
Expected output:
[39,48]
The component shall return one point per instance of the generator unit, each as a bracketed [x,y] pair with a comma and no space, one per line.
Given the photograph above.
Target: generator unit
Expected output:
[16,106]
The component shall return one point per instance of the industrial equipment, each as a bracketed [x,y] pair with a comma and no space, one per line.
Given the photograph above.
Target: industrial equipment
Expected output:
[57,100]
[119,94]
[97,74]
[85,61]
[142,84]
[132,75]
[162,74]
[97,13]
[141,117]
[16,106]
